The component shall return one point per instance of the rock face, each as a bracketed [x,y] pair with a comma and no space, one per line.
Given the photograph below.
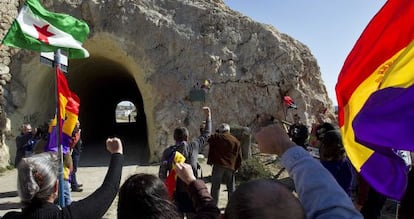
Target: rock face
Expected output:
[166,50]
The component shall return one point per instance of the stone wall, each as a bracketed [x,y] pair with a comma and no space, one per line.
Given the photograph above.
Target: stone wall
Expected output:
[8,12]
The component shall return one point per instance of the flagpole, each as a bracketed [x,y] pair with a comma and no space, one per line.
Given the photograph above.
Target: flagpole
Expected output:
[58,130]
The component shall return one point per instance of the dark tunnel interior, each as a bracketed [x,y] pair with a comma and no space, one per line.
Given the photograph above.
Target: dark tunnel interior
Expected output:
[102,84]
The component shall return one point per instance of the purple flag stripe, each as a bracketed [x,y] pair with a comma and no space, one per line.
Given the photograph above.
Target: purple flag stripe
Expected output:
[52,145]
[377,171]
[386,120]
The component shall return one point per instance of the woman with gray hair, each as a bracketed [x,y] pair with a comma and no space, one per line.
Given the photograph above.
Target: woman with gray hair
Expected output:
[38,186]
[37,177]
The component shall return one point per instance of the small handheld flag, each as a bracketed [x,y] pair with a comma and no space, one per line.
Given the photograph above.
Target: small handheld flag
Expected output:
[171,179]
[289,102]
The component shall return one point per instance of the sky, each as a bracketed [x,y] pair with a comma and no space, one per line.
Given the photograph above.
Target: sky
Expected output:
[329,28]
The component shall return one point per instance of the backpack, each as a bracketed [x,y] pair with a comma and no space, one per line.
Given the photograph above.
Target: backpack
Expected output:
[168,157]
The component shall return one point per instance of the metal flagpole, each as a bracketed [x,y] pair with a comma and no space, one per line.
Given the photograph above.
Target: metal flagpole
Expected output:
[57,63]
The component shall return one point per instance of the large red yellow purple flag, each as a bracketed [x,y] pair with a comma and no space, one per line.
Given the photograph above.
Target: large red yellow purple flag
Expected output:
[375,95]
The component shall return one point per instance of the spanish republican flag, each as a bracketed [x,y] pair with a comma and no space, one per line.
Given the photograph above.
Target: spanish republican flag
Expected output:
[375,95]
[69,104]
[37,29]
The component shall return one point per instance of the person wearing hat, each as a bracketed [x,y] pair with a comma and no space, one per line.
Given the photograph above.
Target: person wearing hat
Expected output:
[225,156]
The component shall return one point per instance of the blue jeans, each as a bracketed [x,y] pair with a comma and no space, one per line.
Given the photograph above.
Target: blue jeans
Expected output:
[66,193]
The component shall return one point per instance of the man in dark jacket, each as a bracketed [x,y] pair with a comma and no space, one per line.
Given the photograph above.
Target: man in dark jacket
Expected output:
[225,156]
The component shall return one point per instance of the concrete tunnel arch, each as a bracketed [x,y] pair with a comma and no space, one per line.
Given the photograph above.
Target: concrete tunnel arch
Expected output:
[101,84]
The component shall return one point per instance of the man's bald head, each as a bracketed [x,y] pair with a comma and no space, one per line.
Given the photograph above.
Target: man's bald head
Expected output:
[263,198]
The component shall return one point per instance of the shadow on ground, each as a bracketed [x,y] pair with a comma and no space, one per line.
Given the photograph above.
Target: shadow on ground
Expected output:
[96,155]
[8,194]
[10,206]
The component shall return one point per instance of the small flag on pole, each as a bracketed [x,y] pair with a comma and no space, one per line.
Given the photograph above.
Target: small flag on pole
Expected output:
[37,29]
[375,92]
[289,102]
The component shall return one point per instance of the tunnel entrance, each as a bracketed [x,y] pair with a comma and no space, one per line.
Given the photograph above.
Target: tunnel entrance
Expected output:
[101,84]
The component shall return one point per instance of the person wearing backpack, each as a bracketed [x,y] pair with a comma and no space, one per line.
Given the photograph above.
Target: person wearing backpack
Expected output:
[190,150]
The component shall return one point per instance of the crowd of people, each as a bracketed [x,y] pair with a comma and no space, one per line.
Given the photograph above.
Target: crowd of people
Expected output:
[324,187]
